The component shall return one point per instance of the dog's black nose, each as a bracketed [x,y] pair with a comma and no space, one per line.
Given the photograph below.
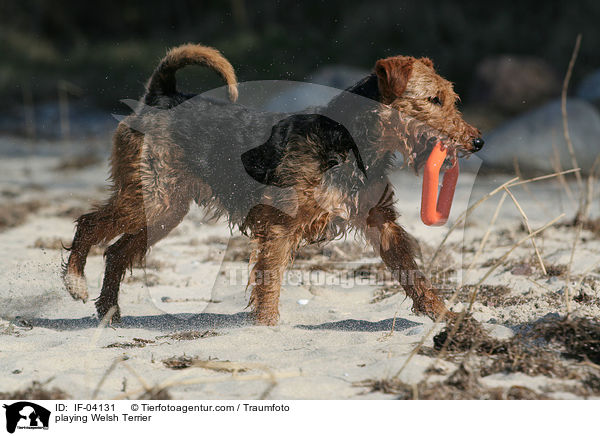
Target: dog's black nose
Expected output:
[478,144]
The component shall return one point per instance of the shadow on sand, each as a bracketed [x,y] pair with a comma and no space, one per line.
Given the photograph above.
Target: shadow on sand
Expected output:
[165,322]
[198,321]
[358,325]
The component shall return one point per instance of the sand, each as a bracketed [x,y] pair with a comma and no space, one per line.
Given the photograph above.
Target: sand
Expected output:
[332,336]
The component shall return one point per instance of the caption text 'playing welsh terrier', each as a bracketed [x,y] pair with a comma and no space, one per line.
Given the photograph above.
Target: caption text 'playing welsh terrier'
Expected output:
[284,179]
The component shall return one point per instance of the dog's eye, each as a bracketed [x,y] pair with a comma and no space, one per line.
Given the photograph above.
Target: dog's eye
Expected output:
[435,100]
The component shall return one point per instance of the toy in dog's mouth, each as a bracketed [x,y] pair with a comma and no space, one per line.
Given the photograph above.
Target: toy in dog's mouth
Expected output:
[435,208]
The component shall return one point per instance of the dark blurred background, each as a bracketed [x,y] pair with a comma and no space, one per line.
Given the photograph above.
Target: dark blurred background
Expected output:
[504,57]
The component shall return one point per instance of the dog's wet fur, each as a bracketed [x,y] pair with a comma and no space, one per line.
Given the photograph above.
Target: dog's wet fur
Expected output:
[306,181]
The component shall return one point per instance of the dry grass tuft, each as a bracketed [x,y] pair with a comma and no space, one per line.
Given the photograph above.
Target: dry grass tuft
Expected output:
[178,362]
[386,292]
[466,334]
[335,252]
[147,279]
[183,362]
[593,225]
[157,264]
[592,383]
[556,270]
[518,357]
[73,212]
[56,243]
[490,295]
[190,335]
[373,269]
[239,249]
[156,393]
[50,243]
[36,391]
[13,214]
[463,384]
[78,162]
[135,343]
[579,337]
[583,298]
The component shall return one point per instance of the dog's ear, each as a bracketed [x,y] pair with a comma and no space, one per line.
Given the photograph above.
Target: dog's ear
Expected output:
[428,62]
[392,76]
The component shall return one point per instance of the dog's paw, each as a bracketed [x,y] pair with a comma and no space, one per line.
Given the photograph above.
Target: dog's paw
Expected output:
[76,286]
[111,312]
[263,317]
[430,305]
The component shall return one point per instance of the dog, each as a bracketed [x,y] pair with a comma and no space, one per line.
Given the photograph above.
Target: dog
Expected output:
[304,181]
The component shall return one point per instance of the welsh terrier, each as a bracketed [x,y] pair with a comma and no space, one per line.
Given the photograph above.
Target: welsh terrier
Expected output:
[214,156]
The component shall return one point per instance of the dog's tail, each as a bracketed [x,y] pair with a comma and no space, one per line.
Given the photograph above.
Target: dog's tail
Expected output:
[163,82]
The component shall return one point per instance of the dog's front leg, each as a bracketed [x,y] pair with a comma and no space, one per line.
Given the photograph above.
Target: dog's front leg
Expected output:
[273,256]
[397,250]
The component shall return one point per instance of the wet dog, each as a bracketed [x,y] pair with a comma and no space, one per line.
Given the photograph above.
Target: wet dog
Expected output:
[284,179]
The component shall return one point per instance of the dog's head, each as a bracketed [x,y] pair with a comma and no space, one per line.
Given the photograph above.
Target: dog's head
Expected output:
[412,86]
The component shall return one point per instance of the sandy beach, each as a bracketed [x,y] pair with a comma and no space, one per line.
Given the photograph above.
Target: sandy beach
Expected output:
[346,329]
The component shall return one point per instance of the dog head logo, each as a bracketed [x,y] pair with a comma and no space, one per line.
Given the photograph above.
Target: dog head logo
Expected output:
[26,415]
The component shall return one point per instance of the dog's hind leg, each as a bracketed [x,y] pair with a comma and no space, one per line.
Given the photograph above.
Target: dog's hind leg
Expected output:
[92,228]
[119,256]
[131,249]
